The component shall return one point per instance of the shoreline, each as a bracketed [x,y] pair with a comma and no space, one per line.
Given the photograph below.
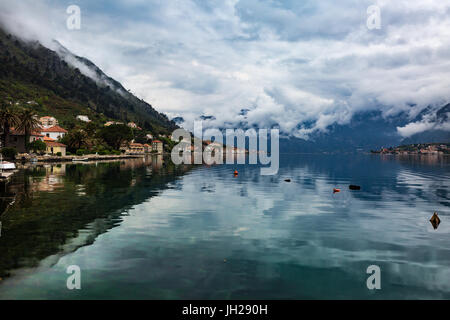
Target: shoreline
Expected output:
[86,158]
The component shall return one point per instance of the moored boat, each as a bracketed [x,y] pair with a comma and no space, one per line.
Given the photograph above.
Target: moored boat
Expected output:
[5,165]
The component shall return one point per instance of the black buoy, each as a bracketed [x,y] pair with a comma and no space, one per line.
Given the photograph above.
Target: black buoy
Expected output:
[287,180]
[353,187]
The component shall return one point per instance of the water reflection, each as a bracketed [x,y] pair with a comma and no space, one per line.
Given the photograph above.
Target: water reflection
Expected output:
[45,206]
[155,232]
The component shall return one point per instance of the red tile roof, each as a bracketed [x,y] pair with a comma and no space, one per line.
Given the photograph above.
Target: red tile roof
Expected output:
[54,129]
[156,141]
[15,132]
[54,144]
[48,139]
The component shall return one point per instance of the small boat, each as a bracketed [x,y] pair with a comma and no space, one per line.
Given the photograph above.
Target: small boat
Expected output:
[5,165]
[80,159]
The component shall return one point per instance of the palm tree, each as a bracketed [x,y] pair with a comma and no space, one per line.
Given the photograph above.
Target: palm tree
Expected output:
[77,139]
[8,120]
[28,124]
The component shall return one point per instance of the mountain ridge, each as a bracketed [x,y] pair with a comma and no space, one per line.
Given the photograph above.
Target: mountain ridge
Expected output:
[31,72]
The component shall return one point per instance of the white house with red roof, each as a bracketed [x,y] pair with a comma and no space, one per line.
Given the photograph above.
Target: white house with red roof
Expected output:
[55,132]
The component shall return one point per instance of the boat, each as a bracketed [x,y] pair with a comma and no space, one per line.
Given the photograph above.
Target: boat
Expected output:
[5,165]
[80,159]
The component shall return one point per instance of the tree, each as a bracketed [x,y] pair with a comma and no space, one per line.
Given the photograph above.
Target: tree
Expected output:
[140,136]
[28,123]
[90,128]
[37,146]
[116,134]
[8,120]
[75,139]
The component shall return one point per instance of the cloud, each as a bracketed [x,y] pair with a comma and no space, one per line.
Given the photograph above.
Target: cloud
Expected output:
[302,65]
[428,123]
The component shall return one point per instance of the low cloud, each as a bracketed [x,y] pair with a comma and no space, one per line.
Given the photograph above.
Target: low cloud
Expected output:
[428,123]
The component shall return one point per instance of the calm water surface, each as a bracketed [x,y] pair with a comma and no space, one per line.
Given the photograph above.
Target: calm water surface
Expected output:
[145,229]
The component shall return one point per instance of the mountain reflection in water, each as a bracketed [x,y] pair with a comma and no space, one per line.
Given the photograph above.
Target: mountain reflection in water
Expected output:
[152,230]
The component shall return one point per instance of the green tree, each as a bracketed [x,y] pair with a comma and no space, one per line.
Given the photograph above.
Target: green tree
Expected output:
[8,120]
[116,134]
[28,123]
[37,146]
[75,139]
[140,136]
[90,129]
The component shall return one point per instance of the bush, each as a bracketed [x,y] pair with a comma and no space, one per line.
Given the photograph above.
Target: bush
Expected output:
[37,146]
[103,152]
[58,154]
[80,152]
[9,153]
[68,153]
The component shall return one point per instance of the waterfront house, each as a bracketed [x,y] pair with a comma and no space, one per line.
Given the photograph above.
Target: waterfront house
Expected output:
[157,146]
[147,148]
[48,121]
[16,139]
[55,132]
[136,148]
[54,147]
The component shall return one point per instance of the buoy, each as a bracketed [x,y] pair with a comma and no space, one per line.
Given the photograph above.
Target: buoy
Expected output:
[435,221]
[236,172]
[288,180]
[335,190]
[353,187]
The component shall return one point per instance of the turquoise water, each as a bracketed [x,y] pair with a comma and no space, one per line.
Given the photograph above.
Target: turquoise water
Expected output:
[145,229]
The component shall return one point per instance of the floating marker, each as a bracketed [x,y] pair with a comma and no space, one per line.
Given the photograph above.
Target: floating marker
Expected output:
[288,180]
[335,190]
[353,187]
[435,221]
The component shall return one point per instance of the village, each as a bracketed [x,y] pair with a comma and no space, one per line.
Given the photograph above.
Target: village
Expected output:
[45,140]
[417,149]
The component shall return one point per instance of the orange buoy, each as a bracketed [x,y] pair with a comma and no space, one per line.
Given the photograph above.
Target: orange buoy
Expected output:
[335,190]
[236,172]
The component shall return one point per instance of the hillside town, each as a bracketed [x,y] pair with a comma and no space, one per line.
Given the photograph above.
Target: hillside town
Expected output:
[25,134]
[417,149]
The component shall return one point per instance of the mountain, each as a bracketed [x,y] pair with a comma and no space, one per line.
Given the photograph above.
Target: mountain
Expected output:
[370,130]
[59,83]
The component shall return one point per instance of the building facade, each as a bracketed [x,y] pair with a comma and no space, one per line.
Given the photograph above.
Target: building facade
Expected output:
[55,132]
[48,121]
[54,148]
[157,146]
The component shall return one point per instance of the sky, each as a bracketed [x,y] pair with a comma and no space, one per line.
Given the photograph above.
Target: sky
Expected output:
[300,64]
